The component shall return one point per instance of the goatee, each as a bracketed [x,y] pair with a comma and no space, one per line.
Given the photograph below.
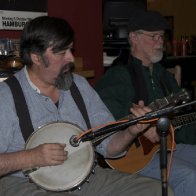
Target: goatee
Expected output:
[65,79]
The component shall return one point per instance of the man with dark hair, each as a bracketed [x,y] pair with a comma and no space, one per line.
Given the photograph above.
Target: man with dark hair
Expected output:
[141,77]
[44,96]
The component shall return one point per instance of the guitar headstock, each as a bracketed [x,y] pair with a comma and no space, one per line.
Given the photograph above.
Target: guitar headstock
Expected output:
[181,96]
[172,99]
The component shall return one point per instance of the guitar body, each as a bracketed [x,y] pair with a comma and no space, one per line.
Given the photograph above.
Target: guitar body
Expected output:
[137,157]
[140,155]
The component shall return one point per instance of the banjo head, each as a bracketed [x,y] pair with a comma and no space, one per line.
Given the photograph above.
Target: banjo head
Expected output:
[74,170]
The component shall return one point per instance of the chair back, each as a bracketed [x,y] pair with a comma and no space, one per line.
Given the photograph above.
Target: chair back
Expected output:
[176,71]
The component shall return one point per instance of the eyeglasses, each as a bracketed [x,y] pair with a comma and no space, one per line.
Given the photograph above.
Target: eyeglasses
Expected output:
[154,37]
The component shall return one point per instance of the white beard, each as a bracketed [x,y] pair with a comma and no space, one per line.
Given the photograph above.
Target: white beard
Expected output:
[157,58]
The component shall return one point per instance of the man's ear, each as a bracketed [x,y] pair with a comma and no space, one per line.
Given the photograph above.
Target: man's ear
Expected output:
[35,58]
[133,35]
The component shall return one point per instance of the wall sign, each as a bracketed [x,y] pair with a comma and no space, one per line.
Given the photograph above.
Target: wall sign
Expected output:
[15,20]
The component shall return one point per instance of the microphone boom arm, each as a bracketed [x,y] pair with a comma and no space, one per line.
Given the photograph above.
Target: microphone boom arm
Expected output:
[121,126]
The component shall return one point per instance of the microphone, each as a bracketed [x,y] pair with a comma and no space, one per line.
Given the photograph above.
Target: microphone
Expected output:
[108,129]
[92,135]
[159,113]
[73,141]
[121,126]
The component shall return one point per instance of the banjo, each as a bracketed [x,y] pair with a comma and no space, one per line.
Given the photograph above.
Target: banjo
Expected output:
[74,171]
[81,158]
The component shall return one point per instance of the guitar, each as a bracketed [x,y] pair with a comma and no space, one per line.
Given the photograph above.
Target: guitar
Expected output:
[141,153]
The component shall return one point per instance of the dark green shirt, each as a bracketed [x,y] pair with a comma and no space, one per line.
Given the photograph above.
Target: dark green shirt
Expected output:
[117,91]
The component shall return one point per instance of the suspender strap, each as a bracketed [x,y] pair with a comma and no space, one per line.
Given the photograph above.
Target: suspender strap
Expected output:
[21,107]
[80,103]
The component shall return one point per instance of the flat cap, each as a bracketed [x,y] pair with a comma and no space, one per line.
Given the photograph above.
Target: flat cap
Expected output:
[148,21]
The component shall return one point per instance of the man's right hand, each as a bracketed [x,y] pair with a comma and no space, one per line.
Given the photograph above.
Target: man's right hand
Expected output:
[48,154]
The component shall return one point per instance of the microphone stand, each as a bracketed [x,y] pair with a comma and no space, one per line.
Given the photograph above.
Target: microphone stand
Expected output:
[163,125]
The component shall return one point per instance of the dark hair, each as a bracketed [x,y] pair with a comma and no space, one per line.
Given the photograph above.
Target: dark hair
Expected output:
[44,32]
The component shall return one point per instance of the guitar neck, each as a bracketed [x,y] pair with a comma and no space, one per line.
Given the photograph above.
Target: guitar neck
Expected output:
[186,119]
[157,104]
[178,121]
[169,100]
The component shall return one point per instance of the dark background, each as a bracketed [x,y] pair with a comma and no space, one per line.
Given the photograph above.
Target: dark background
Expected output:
[24,5]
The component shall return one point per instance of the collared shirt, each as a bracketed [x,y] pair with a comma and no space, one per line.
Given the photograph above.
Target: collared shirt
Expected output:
[31,83]
[43,111]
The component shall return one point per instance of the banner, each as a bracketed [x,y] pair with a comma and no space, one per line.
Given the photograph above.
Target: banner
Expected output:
[16,20]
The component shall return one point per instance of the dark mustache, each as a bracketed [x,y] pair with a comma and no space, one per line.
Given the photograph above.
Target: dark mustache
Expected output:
[70,67]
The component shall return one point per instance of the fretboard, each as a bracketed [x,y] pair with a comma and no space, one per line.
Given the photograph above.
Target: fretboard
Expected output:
[186,119]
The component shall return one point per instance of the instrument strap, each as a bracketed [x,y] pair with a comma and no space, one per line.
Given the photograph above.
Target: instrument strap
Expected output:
[21,107]
[80,103]
[24,116]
